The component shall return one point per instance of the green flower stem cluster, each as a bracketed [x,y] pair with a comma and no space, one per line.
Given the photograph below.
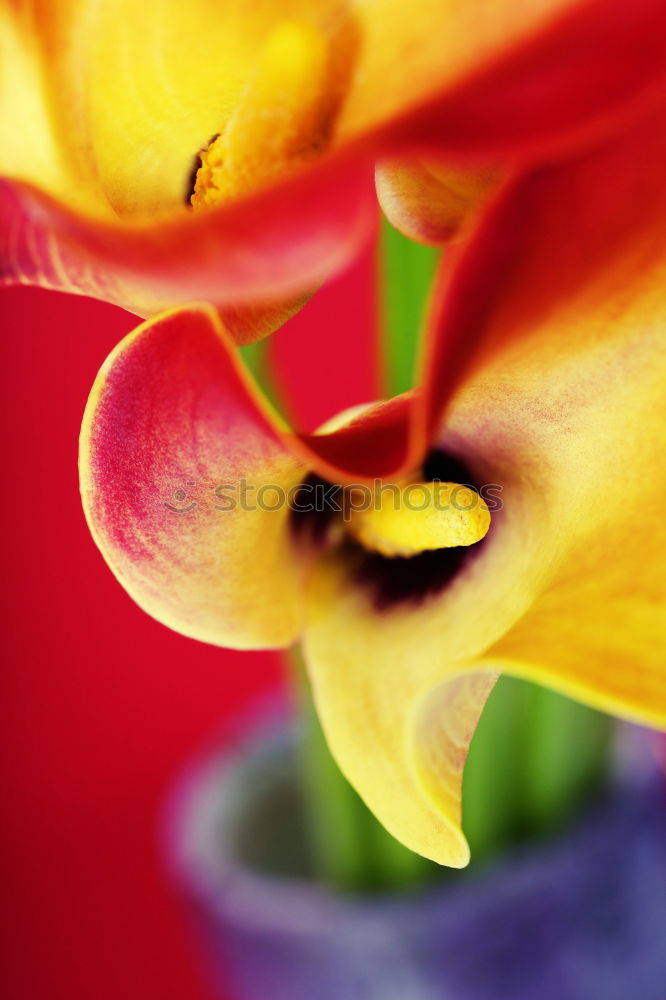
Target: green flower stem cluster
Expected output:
[406,273]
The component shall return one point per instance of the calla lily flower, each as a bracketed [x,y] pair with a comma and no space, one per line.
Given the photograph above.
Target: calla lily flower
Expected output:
[545,375]
[156,154]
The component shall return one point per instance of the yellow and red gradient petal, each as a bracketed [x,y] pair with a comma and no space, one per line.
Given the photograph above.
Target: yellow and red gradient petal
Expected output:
[604,212]
[141,88]
[564,411]
[488,78]
[32,150]
[586,458]
[256,259]
[119,97]
[428,204]
[567,589]
[171,432]
[132,91]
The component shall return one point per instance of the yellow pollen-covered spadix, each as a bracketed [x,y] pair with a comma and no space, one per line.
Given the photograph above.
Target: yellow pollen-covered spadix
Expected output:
[406,519]
[280,120]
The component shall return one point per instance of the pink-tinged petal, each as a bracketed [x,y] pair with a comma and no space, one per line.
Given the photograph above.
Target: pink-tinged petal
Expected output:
[256,259]
[171,432]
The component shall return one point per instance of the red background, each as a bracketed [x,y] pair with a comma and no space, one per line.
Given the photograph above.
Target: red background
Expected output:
[100,704]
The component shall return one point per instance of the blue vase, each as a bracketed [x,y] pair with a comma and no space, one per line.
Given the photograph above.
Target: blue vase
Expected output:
[582,917]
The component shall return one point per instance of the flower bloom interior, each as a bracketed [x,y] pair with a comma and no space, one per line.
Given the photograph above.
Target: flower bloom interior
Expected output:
[446,515]
[281,119]
[395,520]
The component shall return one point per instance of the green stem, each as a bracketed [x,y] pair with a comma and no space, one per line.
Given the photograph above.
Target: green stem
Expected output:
[406,273]
[255,357]
[568,760]
[492,790]
[535,760]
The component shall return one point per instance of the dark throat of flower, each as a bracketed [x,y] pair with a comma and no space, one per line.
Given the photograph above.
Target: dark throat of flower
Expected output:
[409,545]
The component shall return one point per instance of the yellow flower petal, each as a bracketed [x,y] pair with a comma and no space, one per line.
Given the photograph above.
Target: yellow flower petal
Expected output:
[370,670]
[140,88]
[280,120]
[30,147]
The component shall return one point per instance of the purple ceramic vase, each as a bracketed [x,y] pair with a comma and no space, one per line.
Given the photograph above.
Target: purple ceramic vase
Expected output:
[582,917]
